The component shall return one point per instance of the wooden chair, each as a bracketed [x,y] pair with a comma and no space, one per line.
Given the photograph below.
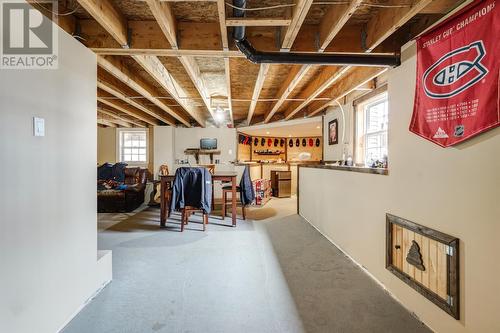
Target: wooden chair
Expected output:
[187,212]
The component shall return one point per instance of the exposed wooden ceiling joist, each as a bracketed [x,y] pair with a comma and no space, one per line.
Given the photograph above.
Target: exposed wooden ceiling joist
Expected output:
[261,77]
[113,114]
[221,9]
[357,77]
[166,20]
[115,91]
[227,71]
[157,70]
[108,116]
[105,123]
[299,13]
[109,18]
[122,73]
[389,20]
[380,27]
[335,18]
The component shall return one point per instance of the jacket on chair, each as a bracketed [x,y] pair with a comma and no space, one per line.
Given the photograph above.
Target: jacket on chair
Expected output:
[192,187]
[247,194]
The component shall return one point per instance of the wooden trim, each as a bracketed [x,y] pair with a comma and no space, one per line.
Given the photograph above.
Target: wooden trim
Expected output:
[452,269]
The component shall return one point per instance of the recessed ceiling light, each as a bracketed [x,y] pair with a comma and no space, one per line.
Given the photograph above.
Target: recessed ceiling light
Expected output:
[289,135]
[317,127]
[267,132]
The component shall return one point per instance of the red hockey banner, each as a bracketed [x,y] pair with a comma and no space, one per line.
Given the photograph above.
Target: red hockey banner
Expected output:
[457,91]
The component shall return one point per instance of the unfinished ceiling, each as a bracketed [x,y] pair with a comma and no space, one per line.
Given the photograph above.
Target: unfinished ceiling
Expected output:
[173,62]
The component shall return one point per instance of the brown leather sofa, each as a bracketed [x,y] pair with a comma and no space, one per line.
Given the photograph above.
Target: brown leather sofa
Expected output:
[126,200]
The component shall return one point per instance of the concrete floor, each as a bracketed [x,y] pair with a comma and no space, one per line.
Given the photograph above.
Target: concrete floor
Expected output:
[272,273]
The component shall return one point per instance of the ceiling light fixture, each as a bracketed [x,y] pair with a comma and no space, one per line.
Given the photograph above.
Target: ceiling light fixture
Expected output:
[219,115]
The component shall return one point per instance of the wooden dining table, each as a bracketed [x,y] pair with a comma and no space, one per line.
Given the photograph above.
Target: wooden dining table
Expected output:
[166,183]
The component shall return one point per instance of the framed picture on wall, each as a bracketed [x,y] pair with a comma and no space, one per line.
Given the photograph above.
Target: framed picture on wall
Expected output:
[333,136]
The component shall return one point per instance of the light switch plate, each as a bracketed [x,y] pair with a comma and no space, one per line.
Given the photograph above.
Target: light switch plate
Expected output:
[38,126]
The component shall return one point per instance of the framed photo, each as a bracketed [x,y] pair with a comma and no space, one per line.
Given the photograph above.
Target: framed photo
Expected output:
[333,132]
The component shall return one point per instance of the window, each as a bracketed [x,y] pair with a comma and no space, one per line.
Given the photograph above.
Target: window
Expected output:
[133,146]
[371,134]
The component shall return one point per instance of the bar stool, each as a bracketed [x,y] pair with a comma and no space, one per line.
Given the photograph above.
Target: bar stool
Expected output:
[225,191]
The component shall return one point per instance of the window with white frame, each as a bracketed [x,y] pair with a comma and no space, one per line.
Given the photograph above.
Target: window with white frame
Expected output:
[371,130]
[133,146]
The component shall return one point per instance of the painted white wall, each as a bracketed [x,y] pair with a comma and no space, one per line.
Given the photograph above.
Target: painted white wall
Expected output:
[190,138]
[48,225]
[454,190]
[163,141]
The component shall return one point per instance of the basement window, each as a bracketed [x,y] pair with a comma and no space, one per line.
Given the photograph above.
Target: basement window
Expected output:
[133,146]
[371,131]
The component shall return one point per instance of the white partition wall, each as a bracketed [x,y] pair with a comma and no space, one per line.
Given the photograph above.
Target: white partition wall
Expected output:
[49,264]
[454,190]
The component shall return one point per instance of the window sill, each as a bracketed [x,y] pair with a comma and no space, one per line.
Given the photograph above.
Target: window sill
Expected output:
[375,171]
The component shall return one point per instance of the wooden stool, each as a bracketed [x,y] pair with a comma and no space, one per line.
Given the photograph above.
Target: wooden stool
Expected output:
[225,191]
[187,212]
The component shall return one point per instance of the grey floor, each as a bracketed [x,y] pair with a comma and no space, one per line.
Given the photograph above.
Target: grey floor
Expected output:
[272,273]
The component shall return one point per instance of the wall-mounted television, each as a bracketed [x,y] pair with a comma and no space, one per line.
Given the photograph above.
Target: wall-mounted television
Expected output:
[208,143]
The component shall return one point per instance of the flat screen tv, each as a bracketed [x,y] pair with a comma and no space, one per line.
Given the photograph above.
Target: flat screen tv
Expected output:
[208,143]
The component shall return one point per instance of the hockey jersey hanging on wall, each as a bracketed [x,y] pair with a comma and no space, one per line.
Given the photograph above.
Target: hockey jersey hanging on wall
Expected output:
[457,94]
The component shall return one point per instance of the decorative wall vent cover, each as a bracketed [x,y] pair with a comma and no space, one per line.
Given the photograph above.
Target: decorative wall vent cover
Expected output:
[425,259]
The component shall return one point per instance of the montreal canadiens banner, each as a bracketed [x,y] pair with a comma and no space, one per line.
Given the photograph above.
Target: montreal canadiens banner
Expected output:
[458,63]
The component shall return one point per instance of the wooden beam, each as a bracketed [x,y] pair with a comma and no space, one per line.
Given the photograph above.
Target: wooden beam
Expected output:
[166,20]
[259,83]
[108,17]
[105,123]
[194,73]
[257,22]
[157,70]
[293,78]
[124,108]
[299,14]
[112,118]
[379,28]
[119,94]
[169,52]
[112,114]
[334,19]
[325,78]
[388,20]
[356,77]
[116,68]
[227,70]
[221,9]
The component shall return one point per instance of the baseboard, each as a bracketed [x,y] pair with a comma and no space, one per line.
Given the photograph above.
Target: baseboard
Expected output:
[363,268]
